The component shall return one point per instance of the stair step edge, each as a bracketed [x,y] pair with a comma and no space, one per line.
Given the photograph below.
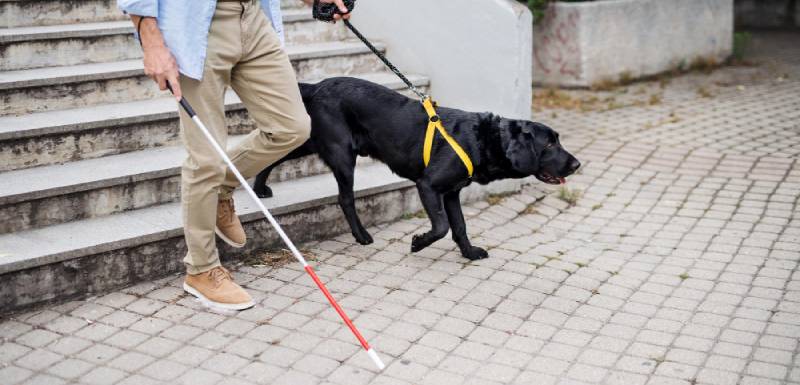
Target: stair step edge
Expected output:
[102,28]
[142,111]
[62,242]
[46,76]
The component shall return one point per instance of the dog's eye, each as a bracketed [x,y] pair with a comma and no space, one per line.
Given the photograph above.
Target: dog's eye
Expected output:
[549,146]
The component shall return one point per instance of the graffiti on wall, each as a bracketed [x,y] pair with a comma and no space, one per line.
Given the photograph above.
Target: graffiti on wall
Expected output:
[555,48]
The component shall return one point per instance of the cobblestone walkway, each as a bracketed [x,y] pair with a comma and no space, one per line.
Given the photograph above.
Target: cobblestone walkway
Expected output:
[678,264]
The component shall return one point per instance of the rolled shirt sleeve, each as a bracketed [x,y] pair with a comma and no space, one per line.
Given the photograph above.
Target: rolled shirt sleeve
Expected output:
[139,7]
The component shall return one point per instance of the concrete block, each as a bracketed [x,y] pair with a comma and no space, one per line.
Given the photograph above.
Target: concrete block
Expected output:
[582,44]
[478,51]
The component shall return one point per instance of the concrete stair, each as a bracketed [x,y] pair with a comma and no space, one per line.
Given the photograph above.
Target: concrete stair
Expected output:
[95,255]
[103,184]
[63,87]
[81,43]
[90,155]
[52,45]
[53,137]
[24,13]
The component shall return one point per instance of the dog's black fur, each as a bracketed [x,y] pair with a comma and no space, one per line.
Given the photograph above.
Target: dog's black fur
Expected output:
[352,117]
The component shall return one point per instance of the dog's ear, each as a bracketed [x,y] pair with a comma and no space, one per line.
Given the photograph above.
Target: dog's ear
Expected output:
[519,143]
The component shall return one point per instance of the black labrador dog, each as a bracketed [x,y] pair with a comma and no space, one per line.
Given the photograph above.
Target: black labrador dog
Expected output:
[352,117]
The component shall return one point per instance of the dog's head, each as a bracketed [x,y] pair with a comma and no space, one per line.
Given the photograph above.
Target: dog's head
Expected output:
[534,149]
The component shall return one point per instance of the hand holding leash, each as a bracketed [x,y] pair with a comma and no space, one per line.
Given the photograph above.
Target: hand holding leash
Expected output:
[332,10]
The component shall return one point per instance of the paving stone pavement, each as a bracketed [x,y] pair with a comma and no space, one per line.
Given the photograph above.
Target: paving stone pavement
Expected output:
[678,264]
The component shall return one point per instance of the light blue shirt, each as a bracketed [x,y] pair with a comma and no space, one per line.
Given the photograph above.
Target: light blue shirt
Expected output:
[185,25]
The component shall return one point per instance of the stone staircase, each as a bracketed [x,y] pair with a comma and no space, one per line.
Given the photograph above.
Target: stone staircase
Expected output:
[90,155]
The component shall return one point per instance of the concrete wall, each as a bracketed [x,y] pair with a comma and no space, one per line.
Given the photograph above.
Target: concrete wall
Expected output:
[580,44]
[767,13]
[477,53]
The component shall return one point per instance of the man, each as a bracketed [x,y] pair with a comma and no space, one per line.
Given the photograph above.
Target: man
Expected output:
[200,47]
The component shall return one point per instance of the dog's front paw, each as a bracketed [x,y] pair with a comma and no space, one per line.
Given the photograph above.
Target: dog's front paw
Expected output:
[418,242]
[262,191]
[475,253]
[363,237]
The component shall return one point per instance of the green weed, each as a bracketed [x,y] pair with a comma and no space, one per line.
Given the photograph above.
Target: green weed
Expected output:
[571,196]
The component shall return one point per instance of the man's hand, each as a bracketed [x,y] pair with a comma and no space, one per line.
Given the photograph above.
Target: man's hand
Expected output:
[339,4]
[342,9]
[159,64]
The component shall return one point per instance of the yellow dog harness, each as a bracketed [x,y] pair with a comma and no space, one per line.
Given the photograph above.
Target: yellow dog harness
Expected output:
[435,124]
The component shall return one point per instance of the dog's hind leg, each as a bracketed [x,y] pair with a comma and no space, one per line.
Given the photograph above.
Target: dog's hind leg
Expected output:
[452,206]
[432,202]
[260,184]
[343,166]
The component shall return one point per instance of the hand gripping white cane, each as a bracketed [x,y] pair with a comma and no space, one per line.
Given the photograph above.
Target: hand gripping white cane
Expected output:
[371,352]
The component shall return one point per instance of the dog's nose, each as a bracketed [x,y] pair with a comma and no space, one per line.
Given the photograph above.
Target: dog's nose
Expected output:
[574,165]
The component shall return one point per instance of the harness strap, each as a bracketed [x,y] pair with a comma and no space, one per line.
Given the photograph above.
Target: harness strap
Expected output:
[435,124]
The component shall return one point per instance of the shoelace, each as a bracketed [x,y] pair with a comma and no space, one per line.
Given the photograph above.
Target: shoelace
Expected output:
[220,275]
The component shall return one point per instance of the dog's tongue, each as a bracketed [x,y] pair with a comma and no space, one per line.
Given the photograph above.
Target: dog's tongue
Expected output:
[562,180]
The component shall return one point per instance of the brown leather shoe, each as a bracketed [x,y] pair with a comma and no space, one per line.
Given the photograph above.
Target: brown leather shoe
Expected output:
[215,288]
[228,226]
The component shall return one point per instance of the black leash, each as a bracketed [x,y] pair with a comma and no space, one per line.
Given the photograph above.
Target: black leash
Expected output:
[326,12]
[385,61]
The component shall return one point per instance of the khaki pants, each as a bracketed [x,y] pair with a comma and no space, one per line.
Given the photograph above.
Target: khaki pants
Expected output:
[245,53]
